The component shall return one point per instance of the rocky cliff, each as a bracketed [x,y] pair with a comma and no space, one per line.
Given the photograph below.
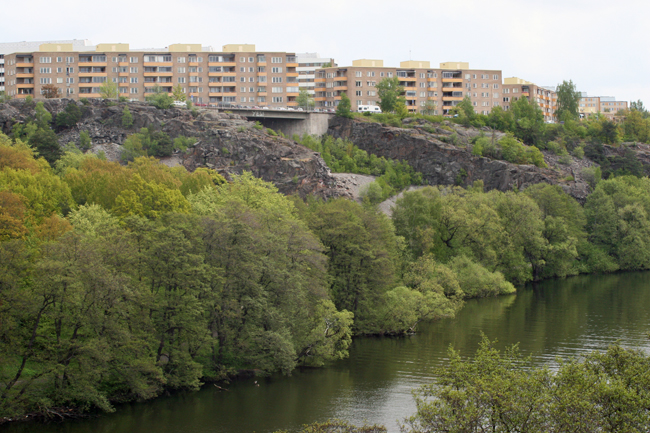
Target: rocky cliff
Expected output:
[429,150]
[225,142]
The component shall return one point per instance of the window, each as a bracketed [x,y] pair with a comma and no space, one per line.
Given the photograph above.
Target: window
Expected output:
[180,59]
[276,79]
[251,79]
[359,102]
[276,90]
[242,60]
[133,60]
[59,59]
[241,69]
[134,80]
[261,79]
[70,91]
[276,70]
[261,69]
[495,95]
[59,70]
[251,60]
[358,74]
[158,59]
[69,80]
[359,93]
[46,70]
[59,80]
[46,81]
[181,70]
[423,84]
[278,99]
[250,69]
[133,90]
[242,79]
[276,59]
[261,99]
[496,86]
[423,94]
[133,70]
[421,74]
[389,74]
[467,76]
[69,59]
[251,89]
[357,84]
[495,76]
[371,73]
[242,99]
[242,90]
[45,60]
[123,80]
[381,74]
[371,93]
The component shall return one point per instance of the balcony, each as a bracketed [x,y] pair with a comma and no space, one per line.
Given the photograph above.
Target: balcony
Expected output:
[452,80]
[452,98]
[24,64]
[228,64]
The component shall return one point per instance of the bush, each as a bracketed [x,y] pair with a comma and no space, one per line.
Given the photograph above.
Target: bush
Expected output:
[127,117]
[160,100]
[68,117]
[476,281]
[84,140]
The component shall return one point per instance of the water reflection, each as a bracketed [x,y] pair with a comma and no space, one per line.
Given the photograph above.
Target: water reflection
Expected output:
[556,318]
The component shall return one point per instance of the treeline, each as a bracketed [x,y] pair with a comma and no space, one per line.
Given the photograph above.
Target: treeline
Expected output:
[118,282]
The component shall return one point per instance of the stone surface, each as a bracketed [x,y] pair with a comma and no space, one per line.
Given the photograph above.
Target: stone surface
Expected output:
[225,142]
[442,163]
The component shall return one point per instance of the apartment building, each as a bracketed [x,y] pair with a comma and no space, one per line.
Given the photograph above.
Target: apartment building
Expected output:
[307,65]
[16,47]
[441,88]
[588,105]
[237,75]
[544,96]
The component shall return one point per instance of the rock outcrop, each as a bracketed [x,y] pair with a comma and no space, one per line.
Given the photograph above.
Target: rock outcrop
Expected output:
[224,142]
[429,150]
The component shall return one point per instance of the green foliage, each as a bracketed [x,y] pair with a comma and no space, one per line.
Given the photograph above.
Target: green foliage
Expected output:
[305,100]
[568,99]
[178,94]
[160,99]
[127,117]
[4,97]
[84,140]
[344,108]
[150,142]
[108,90]
[258,126]
[69,117]
[390,93]
[501,391]
[271,132]
[45,141]
[344,157]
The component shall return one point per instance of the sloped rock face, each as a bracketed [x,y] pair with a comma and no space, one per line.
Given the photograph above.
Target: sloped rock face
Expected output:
[224,142]
[442,163]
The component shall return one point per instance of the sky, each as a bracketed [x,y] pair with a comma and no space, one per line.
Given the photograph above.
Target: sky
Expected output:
[602,46]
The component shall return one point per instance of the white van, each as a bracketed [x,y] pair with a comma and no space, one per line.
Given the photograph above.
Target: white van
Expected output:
[369,108]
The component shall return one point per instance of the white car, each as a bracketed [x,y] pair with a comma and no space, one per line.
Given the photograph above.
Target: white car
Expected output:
[180,104]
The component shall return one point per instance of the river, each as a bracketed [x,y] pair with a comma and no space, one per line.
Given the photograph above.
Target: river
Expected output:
[558,318]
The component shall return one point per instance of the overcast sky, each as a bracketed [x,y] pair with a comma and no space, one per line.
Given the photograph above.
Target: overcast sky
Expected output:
[602,46]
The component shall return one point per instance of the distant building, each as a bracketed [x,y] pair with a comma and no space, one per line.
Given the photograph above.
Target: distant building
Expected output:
[545,97]
[307,65]
[443,87]
[607,106]
[237,75]
[14,47]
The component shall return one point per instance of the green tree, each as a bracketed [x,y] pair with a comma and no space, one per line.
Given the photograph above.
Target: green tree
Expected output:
[4,97]
[305,100]
[430,108]
[178,94]
[127,117]
[108,90]
[344,109]
[389,92]
[568,101]
[84,140]
[69,117]
[528,121]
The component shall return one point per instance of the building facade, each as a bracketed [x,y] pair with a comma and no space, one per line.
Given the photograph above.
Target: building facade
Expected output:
[307,65]
[436,90]
[544,96]
[17,47]
[237,75]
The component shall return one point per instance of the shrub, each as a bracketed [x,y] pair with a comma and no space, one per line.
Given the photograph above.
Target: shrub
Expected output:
[84,140]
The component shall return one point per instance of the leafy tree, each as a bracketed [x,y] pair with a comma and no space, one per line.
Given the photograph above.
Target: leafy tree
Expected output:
[108,90]
[42,117]
[430,108]
[528,121]
[638,106]
[344,109]
[178,94]
[84,140]
[4,97]
[305,100]
[69,117]
[568,99]
[50,91]
[389,92]
[127,117]
[46,143]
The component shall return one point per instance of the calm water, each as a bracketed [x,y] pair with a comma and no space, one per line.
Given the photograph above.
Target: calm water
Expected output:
[556,318]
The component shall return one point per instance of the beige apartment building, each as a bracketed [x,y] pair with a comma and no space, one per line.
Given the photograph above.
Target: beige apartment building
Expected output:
[445,87]
[605,105]
[514,88]
[237,75]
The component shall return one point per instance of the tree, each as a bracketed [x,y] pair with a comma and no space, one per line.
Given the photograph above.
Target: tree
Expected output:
[634,106]
[389,92]
[178,94]
[68,117]
[127,117]
[4,97]
[528,121]
[344,109]
[305,100]
[108,90]
[50,91]
[430,108]
[568,99]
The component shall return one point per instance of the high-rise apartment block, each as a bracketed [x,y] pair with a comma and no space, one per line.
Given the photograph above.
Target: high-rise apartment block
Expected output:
[237,75]
[431,89]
